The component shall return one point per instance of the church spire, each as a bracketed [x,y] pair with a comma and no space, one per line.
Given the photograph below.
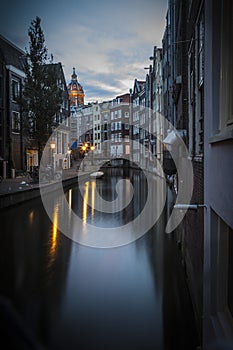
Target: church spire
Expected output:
[74,75]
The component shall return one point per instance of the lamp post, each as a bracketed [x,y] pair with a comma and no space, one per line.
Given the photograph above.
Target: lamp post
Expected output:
[52,146]
[92,155]
[84,148]
[69,153]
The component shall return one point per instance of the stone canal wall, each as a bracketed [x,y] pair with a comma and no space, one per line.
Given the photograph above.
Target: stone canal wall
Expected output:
[25,194]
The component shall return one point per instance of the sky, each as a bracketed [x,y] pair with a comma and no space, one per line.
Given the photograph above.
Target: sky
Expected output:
[108,42]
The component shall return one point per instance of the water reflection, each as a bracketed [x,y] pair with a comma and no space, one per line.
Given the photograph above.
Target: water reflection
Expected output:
[54,231]
[75,297]
[70,198]
[85,203]
[31,216]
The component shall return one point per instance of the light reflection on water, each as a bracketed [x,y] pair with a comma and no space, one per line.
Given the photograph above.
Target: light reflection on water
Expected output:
[85,203]
[76,297]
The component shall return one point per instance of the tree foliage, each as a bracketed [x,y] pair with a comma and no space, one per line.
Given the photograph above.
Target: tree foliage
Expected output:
[42,96]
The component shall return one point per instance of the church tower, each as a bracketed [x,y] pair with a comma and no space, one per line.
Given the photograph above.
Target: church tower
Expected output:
[75,90]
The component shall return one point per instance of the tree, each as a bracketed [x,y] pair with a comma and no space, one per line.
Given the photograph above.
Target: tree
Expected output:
[42,97]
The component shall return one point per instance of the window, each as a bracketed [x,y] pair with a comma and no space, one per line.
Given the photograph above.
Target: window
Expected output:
[201,120]
[15,122]
[221,270]
[200,49]
[1,91]
[14,90]
[226,69]
[230,272]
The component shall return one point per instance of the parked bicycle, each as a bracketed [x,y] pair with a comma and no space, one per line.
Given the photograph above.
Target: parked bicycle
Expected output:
[33,175]
[48,174]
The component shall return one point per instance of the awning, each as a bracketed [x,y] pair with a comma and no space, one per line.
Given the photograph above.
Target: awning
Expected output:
[74,145]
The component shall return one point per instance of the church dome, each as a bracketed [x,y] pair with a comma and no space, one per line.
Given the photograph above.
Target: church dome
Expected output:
[75,90]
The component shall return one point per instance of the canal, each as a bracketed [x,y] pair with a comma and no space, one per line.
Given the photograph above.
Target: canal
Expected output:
[59,294]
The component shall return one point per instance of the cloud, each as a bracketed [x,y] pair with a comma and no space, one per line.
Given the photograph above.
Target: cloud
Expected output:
[109,43]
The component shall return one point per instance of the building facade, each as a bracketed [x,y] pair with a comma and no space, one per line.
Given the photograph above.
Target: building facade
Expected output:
[198,83]
[218,174]
[105,129]
[183,74]
[119,123]
[12,143]
[61,137]
[139,124]
[18,152]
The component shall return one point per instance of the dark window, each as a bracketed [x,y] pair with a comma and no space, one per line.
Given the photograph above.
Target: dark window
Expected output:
[15,90]
[230,272]
[201,120]
[1,89]
[15,122]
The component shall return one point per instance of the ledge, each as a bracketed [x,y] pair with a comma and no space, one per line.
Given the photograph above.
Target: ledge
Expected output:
[224,135]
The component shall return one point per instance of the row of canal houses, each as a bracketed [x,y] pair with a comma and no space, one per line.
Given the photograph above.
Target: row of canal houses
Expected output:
[198,101]
[128,126]
[189,84]
[17,152]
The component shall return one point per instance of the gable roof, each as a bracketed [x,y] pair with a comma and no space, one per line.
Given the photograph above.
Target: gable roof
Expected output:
[139,86]
[11,54]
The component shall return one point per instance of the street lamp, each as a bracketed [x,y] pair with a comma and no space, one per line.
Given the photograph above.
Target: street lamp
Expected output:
[69,153]
[84,148]
[52,146]
[92,155]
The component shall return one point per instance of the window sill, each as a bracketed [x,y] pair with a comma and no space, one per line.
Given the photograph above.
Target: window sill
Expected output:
[224,135]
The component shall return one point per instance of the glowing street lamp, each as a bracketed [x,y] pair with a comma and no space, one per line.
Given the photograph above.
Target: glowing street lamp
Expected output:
[52,146]
[69,153]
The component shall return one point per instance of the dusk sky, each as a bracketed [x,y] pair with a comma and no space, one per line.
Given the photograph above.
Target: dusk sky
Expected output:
[108,42]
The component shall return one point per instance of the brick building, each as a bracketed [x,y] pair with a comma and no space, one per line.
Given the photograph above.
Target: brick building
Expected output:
[119,120]
[183,54]
[12,146]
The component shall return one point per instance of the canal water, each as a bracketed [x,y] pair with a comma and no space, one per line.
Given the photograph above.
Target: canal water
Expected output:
[59,294]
